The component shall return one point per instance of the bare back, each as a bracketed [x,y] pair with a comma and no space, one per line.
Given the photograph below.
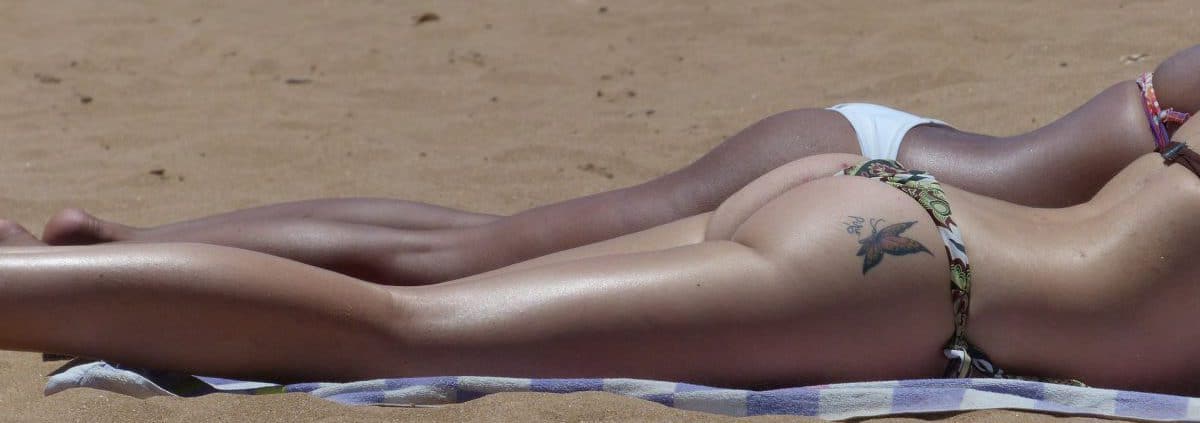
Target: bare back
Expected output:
[1093,292]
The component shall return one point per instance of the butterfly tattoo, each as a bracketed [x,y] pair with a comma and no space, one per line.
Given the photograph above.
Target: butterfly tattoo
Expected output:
[887,240]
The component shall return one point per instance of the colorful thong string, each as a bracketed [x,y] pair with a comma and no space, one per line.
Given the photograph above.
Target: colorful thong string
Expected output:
[1155,115]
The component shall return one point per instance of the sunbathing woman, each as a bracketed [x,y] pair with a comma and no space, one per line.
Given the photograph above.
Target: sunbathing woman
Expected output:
[798,278]
[397,242]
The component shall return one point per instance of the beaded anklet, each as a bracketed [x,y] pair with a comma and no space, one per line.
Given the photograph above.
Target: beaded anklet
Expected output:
[1156,116]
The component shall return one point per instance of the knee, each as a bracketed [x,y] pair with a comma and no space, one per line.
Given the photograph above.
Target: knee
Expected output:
[440,256]
[408,268]
[418,268]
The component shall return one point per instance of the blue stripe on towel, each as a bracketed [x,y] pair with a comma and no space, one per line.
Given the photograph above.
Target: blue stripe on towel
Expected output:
[1139,404]
[838,401]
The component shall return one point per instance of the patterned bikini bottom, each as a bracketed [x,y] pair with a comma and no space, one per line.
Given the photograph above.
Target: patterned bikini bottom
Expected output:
[965,360]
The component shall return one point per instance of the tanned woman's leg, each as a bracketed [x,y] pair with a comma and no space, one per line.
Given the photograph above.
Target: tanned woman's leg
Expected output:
[388,254]
[194,308]
[757,310]
[77,227]
[1178,75]
[1063,163]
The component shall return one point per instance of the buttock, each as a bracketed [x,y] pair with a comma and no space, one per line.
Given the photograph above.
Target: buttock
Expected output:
[964,359]
[885,305]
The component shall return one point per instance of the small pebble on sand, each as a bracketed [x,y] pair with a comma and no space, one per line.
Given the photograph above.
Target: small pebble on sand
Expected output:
[426,18]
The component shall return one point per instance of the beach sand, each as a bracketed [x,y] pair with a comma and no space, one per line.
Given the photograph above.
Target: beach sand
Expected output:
[149,112]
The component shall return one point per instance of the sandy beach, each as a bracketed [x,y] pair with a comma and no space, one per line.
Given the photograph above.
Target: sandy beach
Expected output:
[150,112]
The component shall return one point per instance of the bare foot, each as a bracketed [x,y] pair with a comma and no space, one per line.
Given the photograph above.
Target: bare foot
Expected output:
[77,227]
[14,235]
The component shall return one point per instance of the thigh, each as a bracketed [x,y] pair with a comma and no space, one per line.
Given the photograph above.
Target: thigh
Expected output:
[1061,164]
[784,302]
[679,233]
[766,145]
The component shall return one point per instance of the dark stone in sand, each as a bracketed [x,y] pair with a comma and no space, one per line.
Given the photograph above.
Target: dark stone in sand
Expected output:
[425,18]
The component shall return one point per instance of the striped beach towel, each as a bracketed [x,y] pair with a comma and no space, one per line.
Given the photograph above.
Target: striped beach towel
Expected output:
[837,401]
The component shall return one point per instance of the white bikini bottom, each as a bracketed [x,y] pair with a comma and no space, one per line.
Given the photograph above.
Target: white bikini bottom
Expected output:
[880,129]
